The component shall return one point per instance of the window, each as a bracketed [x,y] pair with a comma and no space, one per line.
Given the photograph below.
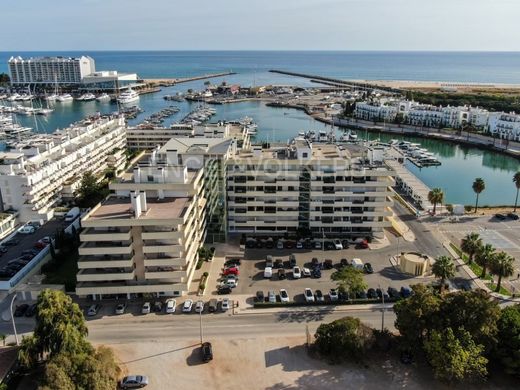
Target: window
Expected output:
[305,154]
[150,178]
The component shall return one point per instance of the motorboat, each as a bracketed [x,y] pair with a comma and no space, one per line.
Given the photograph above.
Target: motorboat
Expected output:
[51,98]
[103,97]
[65,98]
[13,97]
[128,97]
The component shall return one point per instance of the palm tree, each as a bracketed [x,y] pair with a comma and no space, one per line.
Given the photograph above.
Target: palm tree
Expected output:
[502,266]
[470,245]
[516,180]
[478,187]
[484,257]
[443,268]
[435,196]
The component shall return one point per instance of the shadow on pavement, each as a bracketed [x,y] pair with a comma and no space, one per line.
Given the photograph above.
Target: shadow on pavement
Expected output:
[392,274]
[195,358]
[305,316]
[164,353]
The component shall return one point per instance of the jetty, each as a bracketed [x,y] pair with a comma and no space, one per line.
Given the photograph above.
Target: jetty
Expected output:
[174,81]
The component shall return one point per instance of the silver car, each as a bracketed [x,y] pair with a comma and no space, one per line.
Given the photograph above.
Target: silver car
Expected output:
[134,382]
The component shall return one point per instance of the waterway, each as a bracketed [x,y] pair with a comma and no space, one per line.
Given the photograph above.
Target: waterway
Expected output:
[460,164]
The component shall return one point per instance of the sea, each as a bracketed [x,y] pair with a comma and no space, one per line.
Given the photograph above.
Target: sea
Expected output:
[460,164]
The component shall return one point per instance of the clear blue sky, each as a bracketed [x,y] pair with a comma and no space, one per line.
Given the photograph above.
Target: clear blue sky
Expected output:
[262,24]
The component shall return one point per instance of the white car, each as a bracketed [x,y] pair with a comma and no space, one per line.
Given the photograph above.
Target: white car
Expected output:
[333,294]
[299,245]
[146,308]
[306,273]
[272,296]
[337,244]
[199,307]
[26,229]
[284,297]
[296,273]
[171,304]
[120,308]
[186,307]
[231,282]
[225,304]
[279,244]
[268,272]
[309,296]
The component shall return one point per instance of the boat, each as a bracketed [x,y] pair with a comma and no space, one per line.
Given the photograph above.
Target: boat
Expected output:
[103,97]
[51,98]
[13,97]
[128,97]
[43,111]
[14,130]
[25,97]
[65,98]
[86,97]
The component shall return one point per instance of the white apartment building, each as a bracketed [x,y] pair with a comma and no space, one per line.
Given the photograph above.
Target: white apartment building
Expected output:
[144,238]
[376,111]
[323,189]
[38,171]
[505,126]
[50,70]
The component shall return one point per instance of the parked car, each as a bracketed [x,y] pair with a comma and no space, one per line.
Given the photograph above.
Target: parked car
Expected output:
[317,245]
[268,272]
[232,263]
[393,293]
[316,273]
[289,244]
[296,273]
[279,244]
[327,264]
[306,272]
[333,295]
[40,244]
[171,305]
[269,261]
[357,264]
[212,305]
[513,216]
[362,244]
[231,271]
[231,282]
[226,304]
[328,245]
[134,382]
[319,296]
[3,249]
[199,307]
[343,263]
[371,293]
[278,263]
[367,267]
[187,306]
[221,290]
[93,310]
[381,294]
[269,243]
[260,296]
[120,308]
[147,308]
[501,217]
[337,244]
[250,243]
[345,244]
[308,244]
[361,295]
[31,310]
[271,296]
[315,262]
[343,296]
[284,297]
[309,296]
[27,229]
[299,245]
[292,261]
[21,309]
[11,242]
[281,274]
[405,292]
[157,306]
[206,352]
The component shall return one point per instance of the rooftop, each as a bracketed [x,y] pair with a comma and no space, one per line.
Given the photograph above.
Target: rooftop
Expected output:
[121,208]
[197,145]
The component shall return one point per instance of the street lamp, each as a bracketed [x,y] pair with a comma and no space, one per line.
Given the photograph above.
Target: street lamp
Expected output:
[383,310]
[200,325]
[397,254]
[12,319]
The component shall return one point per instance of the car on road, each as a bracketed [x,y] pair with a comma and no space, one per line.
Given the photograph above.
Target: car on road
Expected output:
[306,273]
[120,308]
[147,308]
[367,267]
[327,264]
[281,274]
[296,273]
[157,306]
[231,271]
[171,304]
[371,293]
[333,295]
[268,272]
[31,310]
[221,290]
[319,296]
[199,307]
[309,296]
[513,216]
[284,297]
[337,244]
[271,296]
[11,242]
[21,309]
[206,352]
[260,296]
[187,306]
[226,304]
[27,229]
[93,310]
[133,382]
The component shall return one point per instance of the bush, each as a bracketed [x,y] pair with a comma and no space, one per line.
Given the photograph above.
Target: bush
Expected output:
[468,208]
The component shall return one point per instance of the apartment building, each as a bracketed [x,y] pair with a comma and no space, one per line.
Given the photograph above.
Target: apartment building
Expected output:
[376,111]
[325,189]
[37,172]
[144,238]
[505,126]
[50,70]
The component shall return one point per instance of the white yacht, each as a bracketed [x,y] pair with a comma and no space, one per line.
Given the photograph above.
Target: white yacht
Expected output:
[51,98]
[86,97]
[14,130]
[103,97]
[13,97]
[67,97]
[128,97]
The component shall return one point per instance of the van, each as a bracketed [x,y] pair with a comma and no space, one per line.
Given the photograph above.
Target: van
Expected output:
[72,214]
[213,304]
[268,272]
[357,264]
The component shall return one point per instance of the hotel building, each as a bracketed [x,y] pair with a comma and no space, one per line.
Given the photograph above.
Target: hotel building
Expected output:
[144,238]
[38,172]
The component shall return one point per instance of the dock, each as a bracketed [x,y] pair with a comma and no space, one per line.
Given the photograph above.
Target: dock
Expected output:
[174,81]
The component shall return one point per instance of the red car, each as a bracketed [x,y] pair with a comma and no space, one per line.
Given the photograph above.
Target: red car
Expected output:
[40,245]
[231,271]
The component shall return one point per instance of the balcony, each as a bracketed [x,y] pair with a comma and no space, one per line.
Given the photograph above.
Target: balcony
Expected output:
[135,287]
[174,250]
[100,249]
[107,274]
[119,234]
[171,235]
[108,262]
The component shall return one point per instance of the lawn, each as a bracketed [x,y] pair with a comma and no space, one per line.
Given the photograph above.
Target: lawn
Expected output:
[64,272]
[477,269]
[492,286]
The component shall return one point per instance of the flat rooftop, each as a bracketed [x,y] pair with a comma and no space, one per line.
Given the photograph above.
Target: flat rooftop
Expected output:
[121,208]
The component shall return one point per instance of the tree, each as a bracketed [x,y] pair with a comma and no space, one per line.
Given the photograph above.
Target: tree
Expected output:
[502,265]
[90,192]
[344,338]
[455,358]
[478,186]
[349,280]
[508,339]
[416,316]
[516,180]
[436,196]
[4,78]
[443,268]
[484,257]
[470,244]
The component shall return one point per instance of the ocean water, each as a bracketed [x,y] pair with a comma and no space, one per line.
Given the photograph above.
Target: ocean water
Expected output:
[460,165]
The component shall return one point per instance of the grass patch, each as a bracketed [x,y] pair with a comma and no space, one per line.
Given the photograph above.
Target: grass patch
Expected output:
[477,269]
[63,272]
[504,291]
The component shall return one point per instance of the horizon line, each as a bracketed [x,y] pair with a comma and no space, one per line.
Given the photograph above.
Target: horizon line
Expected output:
[271,50]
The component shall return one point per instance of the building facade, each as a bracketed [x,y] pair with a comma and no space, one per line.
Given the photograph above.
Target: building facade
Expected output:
[50,70]
[39,171]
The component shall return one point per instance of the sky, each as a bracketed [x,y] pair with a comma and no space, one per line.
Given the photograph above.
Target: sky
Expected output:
[444,25]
